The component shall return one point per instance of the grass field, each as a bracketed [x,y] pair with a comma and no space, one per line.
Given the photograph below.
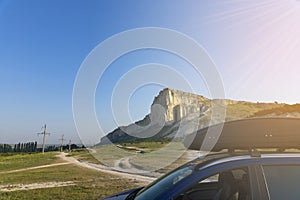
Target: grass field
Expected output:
[158,156]
[19,161]
[89,184]
[164,158]
[84,155]
[108,154]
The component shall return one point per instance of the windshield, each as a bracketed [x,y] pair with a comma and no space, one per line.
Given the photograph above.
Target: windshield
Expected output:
[163,184]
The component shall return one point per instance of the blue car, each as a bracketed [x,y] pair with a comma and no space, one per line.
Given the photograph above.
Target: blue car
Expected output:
[261,162]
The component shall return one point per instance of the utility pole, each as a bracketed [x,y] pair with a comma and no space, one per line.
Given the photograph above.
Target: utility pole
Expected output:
[62,142]
[70,145]
[44,138]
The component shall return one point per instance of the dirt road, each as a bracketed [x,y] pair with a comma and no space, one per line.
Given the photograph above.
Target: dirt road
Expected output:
[67,161]
[32,168]
[105,169]
[32,186]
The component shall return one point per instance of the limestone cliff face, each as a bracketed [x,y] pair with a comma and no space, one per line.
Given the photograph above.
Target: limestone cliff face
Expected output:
[172,108]
[178,104]
[168,108]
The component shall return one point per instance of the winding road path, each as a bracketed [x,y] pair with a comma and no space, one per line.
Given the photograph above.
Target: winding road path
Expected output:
[115,171]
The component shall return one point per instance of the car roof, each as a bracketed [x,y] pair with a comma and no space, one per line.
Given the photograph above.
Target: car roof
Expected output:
[266,158]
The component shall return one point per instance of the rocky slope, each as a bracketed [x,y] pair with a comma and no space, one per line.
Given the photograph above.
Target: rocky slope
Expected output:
[173,112]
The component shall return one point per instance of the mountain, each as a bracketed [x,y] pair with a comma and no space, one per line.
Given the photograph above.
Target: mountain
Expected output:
[175,112]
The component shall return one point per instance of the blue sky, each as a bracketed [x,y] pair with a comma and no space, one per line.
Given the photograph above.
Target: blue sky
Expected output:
[253,43]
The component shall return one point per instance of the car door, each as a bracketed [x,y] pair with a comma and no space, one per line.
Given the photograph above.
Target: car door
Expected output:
[225,181]
[227,184]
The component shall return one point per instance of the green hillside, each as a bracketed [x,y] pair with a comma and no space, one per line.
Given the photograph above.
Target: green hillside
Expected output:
[286,110]
[242,110]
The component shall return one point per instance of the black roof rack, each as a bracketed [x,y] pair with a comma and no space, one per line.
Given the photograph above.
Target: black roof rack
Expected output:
[248,134]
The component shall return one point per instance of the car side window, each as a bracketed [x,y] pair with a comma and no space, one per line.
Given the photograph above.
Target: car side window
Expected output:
[231,184]
[282,181]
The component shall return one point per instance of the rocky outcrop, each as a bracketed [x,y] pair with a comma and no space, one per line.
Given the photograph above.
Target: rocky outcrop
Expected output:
[173,108]
[178,104]
[169,107]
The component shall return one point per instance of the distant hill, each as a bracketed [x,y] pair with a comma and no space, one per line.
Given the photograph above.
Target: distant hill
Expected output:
[172,109]
[285,110]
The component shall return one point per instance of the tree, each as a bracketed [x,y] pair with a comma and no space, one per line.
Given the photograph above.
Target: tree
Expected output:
[35,146]
[19,147]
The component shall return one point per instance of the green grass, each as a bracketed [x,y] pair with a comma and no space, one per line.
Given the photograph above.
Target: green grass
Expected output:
[84,155]
[19,161]
[154,153]
[283,110]
[247,109]
[108,154]
[90,184]
[168,156]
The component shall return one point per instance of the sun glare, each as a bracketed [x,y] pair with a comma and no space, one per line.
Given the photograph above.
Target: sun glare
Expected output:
[270,31]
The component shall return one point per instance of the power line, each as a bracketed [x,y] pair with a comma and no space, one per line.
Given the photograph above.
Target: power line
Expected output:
[62,142]
[44,138]
[70,145]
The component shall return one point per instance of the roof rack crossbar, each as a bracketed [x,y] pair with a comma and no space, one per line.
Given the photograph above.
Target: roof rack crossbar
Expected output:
[254,153]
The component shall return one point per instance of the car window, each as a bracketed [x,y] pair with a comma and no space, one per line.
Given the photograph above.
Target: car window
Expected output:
[283,181]
[211,179]
[231,184]
[165,183]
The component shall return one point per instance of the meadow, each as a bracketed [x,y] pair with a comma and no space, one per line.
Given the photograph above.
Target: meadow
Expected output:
[159,157]
[86,183]
[19,173]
